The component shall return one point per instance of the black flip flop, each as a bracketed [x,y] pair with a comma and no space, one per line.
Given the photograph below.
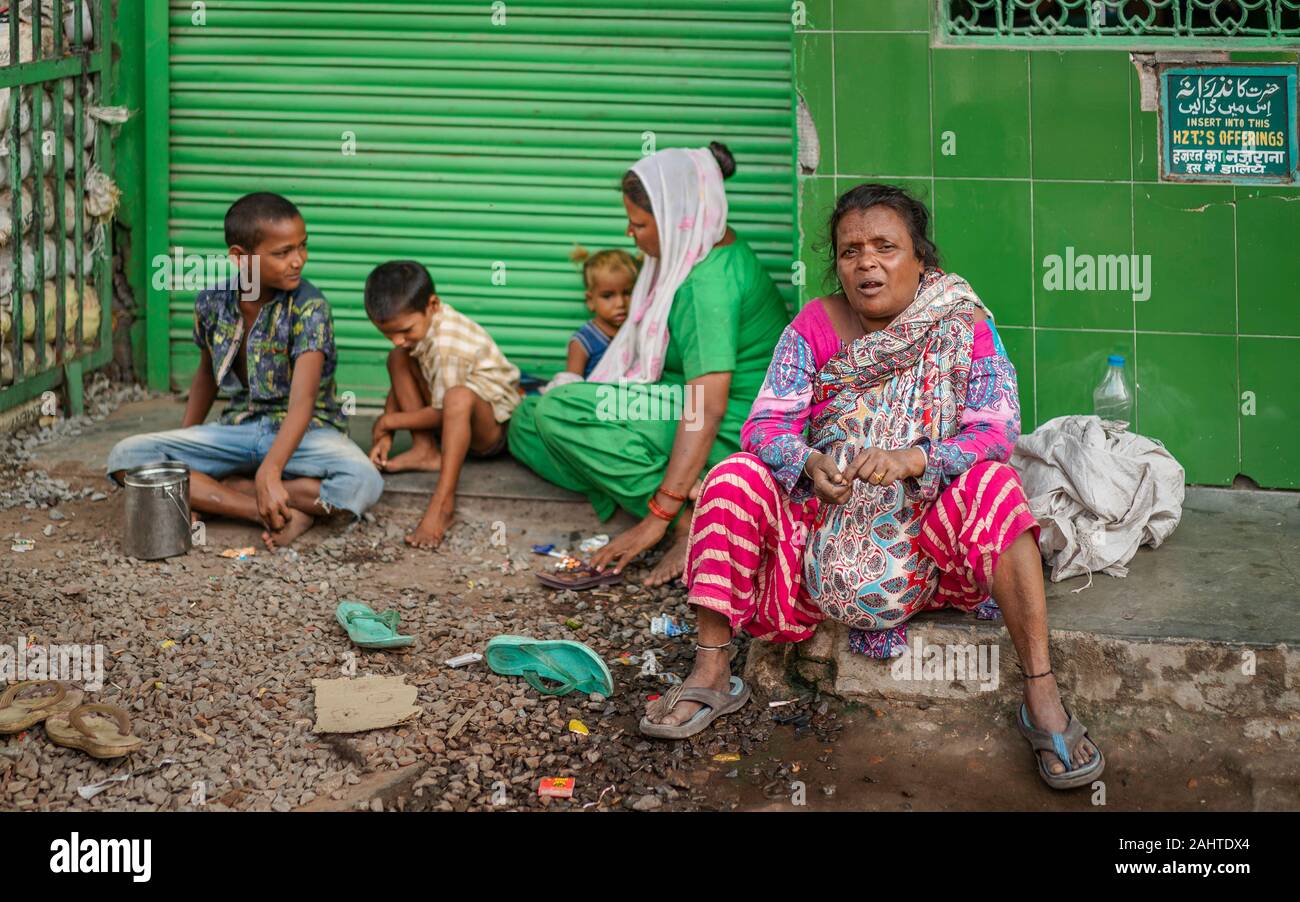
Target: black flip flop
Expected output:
[579,578]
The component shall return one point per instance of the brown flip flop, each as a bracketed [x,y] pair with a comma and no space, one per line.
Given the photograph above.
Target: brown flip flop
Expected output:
[579,578]
[715,704]
[1062,745]
[108,736]
[18,714]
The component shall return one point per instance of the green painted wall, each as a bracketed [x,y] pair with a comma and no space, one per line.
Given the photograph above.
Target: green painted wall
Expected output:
[1053,151]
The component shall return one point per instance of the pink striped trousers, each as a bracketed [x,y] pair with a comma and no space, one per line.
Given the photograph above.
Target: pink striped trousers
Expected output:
[747,541]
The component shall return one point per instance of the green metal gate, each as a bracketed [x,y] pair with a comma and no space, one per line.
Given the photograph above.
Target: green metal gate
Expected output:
[51,329]
[484,139]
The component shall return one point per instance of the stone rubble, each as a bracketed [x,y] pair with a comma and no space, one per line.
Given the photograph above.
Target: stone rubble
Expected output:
[214,659]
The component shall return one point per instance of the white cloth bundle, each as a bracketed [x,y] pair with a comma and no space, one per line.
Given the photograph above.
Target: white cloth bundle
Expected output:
[1098,492]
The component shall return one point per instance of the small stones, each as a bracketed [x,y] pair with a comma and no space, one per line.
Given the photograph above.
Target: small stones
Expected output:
[647,803]
[230,697]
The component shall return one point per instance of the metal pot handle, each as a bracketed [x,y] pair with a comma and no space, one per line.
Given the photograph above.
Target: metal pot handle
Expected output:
[177,501]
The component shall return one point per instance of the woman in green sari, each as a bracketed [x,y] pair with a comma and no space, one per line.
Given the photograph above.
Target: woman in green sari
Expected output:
[669,396]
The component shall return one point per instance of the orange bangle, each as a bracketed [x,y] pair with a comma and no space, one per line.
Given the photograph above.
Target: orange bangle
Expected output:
[659,511]
[673,495]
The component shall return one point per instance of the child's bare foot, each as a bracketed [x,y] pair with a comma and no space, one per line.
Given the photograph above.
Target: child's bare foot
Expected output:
[433,527]
[299,523]
[426,458]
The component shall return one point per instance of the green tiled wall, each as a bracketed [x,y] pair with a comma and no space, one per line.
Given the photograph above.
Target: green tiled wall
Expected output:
[1054,151]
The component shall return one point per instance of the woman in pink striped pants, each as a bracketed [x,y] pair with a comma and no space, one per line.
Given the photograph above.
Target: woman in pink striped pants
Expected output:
[874,484]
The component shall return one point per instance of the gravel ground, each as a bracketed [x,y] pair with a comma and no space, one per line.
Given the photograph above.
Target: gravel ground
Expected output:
[22,487]
[214,659]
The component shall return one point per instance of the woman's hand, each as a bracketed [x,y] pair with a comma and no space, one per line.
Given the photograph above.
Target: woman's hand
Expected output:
[876,466]
[630,545]
[829,484]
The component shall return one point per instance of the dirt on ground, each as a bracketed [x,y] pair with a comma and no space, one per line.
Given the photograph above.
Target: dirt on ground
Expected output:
[214,659]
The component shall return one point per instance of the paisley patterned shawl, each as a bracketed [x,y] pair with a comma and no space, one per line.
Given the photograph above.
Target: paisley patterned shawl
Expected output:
[863,564]
[912,373]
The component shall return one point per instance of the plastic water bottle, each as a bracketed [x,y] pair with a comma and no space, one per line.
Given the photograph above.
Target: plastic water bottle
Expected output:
[1112,400]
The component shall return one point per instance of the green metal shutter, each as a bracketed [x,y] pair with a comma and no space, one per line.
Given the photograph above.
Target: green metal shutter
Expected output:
[477,144]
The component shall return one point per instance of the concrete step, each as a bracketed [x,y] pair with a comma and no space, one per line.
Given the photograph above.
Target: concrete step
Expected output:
[951,662]
[84,456]
[1208,623]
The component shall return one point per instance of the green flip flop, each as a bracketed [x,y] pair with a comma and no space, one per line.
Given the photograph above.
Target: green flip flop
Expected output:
[574,666]
[368,629]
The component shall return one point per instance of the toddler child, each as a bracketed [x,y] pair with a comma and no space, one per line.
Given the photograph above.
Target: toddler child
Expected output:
[609,277]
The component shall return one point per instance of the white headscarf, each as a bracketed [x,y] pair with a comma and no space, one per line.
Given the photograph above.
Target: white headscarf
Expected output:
[690,208]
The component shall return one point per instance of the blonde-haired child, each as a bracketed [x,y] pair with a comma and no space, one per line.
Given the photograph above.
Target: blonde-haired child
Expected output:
[609,276]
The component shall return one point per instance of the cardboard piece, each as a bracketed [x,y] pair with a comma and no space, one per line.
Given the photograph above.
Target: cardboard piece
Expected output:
[365,703]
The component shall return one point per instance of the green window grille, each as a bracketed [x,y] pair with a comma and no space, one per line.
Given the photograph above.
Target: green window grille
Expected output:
[55,294]
[1119,24]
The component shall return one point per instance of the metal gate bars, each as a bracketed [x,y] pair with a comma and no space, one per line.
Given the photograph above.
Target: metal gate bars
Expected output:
[56,197]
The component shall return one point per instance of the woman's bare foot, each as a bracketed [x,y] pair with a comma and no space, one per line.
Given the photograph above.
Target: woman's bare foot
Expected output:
[433,526]
[1043,702]
[424,457]
[670,566]
[712,670]
[283,537]
[673,563]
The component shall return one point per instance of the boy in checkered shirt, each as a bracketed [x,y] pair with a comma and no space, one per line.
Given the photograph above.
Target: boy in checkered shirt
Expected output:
[448,378]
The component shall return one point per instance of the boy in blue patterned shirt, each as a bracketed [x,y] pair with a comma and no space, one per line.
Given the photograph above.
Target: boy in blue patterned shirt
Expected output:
[272,352]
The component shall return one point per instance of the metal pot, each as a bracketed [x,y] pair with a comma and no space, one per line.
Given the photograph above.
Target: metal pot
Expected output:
[157,521]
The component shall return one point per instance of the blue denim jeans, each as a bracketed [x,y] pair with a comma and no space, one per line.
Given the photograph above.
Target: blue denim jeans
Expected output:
[348,479]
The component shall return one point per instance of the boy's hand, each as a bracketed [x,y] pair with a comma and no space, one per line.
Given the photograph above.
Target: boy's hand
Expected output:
[272,498]
[379,450]
[876,466]
[383,426]
[829,483]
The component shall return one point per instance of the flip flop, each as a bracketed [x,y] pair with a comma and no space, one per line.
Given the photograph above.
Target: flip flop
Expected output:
[715,704]
[18,714]
[368,629]
[1061,745]
[574,666]
[579,578]
[108,736]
